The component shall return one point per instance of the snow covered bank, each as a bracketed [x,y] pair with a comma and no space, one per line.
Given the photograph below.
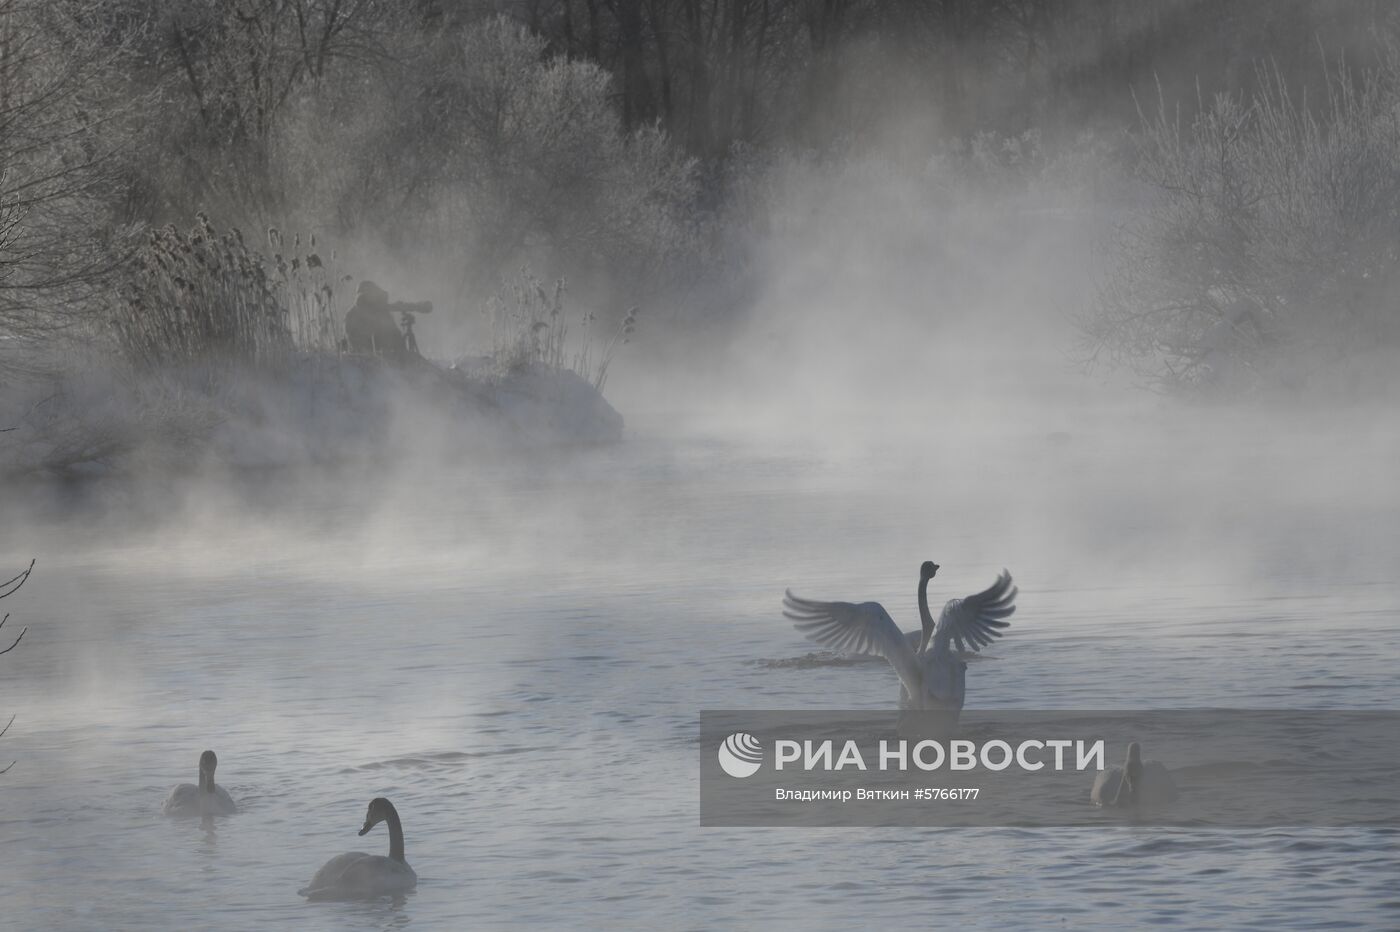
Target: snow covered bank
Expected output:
[314,409]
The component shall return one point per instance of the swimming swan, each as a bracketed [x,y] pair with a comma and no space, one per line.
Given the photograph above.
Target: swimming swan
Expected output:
[356,875]
[931,675]
[206,799]
[1136,783]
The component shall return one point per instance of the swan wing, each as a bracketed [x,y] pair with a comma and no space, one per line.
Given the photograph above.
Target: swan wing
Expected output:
[221,802]
[327,882]
[1106,783]
[377,876]
[864,628]
[356,875]
[972,623]
[183,800]
[1158,787]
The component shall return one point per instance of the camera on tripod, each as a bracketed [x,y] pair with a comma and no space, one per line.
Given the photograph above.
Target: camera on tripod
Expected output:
[408,312]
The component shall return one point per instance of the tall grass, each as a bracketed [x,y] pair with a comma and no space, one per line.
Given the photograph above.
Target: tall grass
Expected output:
[208,296]
[530,325]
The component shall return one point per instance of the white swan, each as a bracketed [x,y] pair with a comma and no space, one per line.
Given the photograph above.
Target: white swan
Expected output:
[206,799]
[1136,783]
[931,675]
[356,875]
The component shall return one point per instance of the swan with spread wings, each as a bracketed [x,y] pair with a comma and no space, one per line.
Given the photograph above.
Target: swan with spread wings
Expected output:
[932,674]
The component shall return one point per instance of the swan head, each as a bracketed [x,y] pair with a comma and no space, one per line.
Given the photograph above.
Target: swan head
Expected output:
[379,810]
[207,762]
[928,570]
[1131,779]
[1133,765]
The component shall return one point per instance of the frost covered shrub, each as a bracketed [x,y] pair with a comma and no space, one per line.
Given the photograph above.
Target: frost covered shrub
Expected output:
[488,153]
[1266,254]
[543,161]
[204,296]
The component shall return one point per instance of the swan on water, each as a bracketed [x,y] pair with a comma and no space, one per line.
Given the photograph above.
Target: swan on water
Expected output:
[931,674]
[206,799]
[356,875]
[1136,783]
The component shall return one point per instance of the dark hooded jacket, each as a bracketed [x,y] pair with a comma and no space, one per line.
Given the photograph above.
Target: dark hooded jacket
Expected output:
[370,327]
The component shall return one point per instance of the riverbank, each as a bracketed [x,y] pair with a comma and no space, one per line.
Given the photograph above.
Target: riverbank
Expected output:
[311,409]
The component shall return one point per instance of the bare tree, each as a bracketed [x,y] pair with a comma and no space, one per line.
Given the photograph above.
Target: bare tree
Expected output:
[240,64]
[58,170]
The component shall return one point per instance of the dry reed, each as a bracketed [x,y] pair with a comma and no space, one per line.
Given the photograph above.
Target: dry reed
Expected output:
[207,296]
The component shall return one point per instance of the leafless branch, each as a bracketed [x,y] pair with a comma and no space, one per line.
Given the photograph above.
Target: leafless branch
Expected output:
[16,641]
[2,734]
[12,586]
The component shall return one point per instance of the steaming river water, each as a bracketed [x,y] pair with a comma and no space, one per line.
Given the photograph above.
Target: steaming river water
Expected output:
[517,655]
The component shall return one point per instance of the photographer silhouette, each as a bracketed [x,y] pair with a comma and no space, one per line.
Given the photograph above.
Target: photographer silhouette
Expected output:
[370,327]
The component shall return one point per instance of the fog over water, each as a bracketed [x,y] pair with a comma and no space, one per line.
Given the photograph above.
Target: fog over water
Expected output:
[513,641]
[516,650]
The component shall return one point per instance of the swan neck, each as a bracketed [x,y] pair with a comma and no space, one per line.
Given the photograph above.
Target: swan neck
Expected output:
[1129,783]
[395,835]
[206,781]
[925,616]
